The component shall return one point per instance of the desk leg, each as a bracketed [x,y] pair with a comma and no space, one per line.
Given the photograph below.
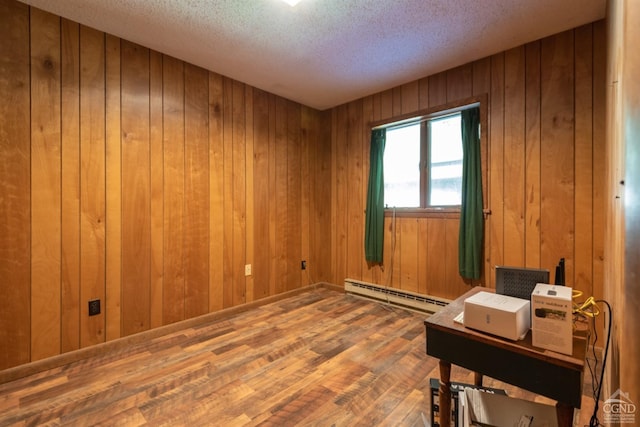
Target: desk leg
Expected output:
[444,395]
[564,413]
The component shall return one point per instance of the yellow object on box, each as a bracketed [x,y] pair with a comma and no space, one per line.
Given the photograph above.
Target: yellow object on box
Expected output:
[551,320]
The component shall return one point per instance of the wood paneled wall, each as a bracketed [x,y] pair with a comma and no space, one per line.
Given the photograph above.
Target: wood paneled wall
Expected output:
[133,177]
[623,203]
[545,147]
[146,182]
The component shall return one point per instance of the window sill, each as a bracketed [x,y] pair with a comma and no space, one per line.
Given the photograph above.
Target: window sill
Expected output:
[448,212]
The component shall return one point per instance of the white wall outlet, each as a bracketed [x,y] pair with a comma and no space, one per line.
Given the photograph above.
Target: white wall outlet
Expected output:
[247,270]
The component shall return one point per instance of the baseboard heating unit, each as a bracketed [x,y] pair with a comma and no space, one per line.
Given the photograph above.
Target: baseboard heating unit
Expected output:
[398,297]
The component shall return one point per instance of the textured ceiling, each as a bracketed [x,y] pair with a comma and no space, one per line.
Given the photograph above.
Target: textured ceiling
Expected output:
[323,53]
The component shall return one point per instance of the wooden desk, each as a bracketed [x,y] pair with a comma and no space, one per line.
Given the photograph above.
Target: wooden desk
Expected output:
[544,372]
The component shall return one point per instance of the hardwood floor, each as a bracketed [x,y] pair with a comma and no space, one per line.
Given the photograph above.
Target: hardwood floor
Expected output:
[319,358]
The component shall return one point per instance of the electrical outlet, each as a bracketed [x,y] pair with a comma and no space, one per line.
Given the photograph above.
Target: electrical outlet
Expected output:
[94,307]
[247,270]
[303,265]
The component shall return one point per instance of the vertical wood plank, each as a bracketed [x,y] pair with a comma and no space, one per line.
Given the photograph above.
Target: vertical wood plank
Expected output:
[238,212]
[388,249]
[228,196]
[307,138]
[156,158]
[436,262]
[174,173]
[275,281]
[15,228]
[334,191]
[533,168]
[600,144]
[599,147]
[322,271]
[557,151]
[514,157]
[456,285]
[438,89]
[386,104]
[583,140]
[496,165]
[619,121]
[410,251]
[625,65]
[136,189]
[249,191]
[341,197]
[395,263]
[423,95]
[281,191]
[45,185]
[423,255]
[481,76]
[354,183]
[459,83]
[293,226]
[216,192]
[196,192]
[410,97]
[70,171]
[113,260]
[261,203]
[92,182]
[396,96]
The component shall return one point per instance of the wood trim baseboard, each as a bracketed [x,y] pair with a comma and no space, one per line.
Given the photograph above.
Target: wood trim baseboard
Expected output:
[21,371]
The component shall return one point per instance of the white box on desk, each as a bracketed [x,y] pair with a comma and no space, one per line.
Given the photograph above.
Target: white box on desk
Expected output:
[552,320]
[497,314]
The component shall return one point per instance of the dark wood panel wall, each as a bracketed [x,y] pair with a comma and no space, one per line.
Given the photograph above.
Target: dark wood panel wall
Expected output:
[544,149]
[148,183]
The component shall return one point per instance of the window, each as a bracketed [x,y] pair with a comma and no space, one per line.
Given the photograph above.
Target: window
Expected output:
[423,161]
[445,161]
[402,166]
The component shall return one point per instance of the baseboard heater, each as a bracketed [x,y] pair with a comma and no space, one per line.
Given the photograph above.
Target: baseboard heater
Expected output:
[398,297]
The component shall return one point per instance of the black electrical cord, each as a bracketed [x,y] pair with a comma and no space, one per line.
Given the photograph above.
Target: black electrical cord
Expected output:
[592,369]
[594,422]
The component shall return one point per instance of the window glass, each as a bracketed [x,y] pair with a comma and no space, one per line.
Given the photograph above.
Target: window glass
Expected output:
[402,166]
[445,161]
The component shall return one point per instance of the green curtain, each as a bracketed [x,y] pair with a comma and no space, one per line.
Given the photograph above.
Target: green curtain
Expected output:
[374,217]
[471,220]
